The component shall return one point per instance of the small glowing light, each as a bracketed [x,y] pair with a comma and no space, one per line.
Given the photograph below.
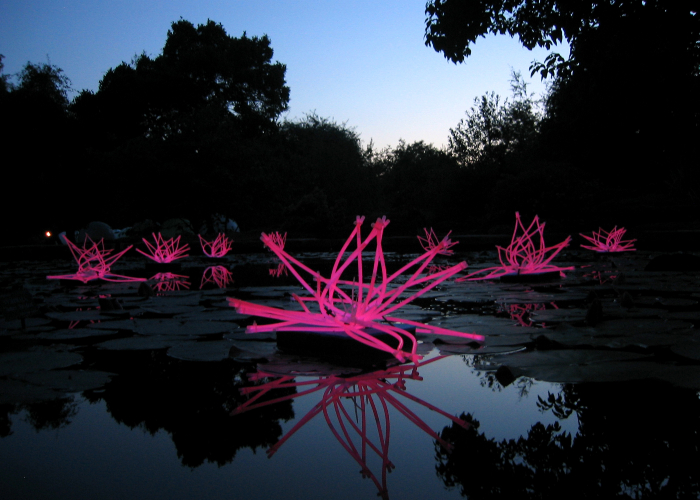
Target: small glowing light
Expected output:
[48,234]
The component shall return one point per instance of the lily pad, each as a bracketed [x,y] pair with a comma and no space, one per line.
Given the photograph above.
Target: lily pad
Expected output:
[140,343]
[40,359]
[202,351]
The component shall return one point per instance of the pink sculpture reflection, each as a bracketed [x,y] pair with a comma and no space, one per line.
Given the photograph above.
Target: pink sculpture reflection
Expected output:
[353,308]
[218,275]
[352,405]
[164,251]
[524,255]
[94,262]
[431,241]
[277,272]
[608,242]
[217,248]
[521,312]
[169,282]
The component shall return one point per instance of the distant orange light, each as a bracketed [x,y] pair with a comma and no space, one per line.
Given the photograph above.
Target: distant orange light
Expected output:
[48,234]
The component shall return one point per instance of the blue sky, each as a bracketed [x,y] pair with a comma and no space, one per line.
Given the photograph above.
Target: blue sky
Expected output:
[363,63]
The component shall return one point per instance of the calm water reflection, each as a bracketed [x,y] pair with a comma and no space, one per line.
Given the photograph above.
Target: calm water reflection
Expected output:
[163,427]
[145,420]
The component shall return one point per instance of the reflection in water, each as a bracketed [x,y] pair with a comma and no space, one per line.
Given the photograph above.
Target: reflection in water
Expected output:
[634,441]
[170,282]
[190,401]
[279,271]
[521,312]
[350,405]
[218,275]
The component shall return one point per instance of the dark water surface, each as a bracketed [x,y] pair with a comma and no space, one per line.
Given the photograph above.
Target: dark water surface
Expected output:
[155,400]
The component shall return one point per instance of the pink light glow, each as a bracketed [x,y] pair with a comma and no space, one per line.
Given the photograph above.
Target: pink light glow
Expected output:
[216,248]
[431,241]
[523,255]
[218,275]
[169,282]
[94,262]
[164,251]
[354,308]
[612,241]
[369,397]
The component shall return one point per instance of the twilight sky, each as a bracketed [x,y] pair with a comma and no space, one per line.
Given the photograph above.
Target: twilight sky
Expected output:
[359,62]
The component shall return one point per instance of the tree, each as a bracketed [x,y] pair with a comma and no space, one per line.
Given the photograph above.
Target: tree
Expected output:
[202,71]
[452,26]
[493,130]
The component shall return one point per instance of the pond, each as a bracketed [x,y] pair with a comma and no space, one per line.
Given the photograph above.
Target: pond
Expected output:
[110,392]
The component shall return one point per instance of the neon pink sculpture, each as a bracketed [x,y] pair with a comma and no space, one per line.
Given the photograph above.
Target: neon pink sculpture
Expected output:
[218,275]
[169,282]
[164,251]
[608,242]
[369,396]
[431,241]
[355,309]
[523,256]
[216,248]
[94,262]
[279,239]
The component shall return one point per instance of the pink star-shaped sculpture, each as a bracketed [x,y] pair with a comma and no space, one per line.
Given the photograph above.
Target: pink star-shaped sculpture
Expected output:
[523,256]
[94,262]
[355,309]
[370,396]
[431,241]
[164,251]
[216,248]
[609,242]
[218,275]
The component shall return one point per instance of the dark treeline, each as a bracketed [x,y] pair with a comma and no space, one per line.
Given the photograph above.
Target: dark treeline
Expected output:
[197,130]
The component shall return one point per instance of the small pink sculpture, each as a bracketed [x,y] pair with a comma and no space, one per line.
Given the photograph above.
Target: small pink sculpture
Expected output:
[169,282]
[94,262]
[523,255]
[369,397]
[279,239]
[164,251]
[353,308]
[431,241]
[218,275]
[609,242]
[216,248]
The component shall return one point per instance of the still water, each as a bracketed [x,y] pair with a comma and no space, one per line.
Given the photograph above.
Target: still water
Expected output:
[158,399]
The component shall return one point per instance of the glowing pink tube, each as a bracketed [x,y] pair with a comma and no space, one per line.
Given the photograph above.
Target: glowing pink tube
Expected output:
[524,255]
[164,251]
[354,308]
[216,248]
[431,241]
[94,262]
[608,242]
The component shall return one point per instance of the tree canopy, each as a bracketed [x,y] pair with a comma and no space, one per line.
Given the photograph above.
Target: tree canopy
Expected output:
[453,26]
[202,74]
